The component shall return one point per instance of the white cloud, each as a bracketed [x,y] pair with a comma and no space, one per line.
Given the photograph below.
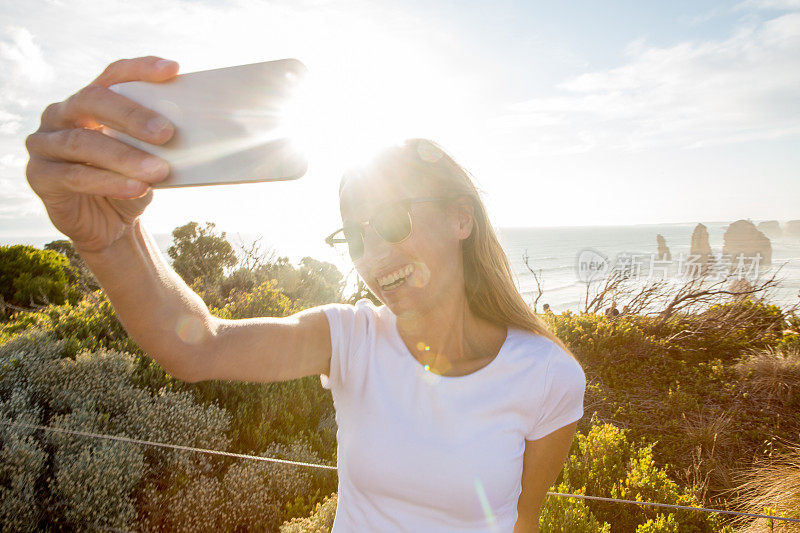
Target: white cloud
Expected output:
[691,94]
[22,57]
[779,5]
[23,67]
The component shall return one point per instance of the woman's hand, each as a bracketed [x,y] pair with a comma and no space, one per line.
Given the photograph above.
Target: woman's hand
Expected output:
[94,186]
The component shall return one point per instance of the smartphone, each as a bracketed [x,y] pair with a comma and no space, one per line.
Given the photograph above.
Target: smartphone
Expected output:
[230,123]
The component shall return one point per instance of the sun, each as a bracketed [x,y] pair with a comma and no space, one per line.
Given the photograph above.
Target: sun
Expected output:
[343,113]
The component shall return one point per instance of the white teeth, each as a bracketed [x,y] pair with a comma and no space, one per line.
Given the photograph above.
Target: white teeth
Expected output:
[394,276]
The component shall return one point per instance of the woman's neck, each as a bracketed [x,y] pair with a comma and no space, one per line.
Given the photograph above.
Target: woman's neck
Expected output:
[450,337]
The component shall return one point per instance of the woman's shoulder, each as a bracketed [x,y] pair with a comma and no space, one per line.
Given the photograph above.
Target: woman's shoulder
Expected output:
[543,353]
[359,318]
[364,306]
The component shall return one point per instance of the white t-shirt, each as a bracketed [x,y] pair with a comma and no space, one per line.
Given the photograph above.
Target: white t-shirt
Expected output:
[419,452]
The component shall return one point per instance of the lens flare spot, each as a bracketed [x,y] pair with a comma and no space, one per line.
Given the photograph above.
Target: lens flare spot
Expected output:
[491,519]
[421,276]
[189,329]
[421,346]
[429,377]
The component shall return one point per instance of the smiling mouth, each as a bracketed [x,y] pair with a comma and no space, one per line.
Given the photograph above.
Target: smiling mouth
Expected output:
[397,278]
[394,284]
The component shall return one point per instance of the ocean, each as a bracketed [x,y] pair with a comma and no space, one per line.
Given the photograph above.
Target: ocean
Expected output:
[555,250]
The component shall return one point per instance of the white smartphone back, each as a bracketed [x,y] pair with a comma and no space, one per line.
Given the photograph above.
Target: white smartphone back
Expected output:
[230,123]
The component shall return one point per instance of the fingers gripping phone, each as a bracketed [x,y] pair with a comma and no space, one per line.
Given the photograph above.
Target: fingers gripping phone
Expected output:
[230,123]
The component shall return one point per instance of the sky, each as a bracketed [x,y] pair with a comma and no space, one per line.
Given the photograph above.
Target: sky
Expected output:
[565,113]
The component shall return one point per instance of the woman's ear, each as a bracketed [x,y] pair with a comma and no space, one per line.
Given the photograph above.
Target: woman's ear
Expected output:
[464,216]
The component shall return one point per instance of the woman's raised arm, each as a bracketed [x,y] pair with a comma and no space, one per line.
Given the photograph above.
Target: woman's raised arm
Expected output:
[95,188]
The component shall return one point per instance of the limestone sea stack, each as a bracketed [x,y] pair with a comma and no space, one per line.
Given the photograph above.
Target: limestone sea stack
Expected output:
[771,228]
[663,249]
[700,247]
[792,229]
[742,237]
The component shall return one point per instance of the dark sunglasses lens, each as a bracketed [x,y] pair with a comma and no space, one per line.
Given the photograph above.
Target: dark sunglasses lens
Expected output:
[393,223]
[355,244]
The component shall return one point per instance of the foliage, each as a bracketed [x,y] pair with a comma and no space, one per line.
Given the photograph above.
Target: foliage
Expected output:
[320,521]
[91,324]
[560,514]
[70,482]
[264,300]
[678,385]
[312,283]
[603,462]
[200,255]
[78,273]
[30,277]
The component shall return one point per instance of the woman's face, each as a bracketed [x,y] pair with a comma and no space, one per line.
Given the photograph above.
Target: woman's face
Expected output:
[429,260]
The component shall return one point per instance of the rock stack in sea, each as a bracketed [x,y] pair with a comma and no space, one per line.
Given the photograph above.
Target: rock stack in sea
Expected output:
[771,228]
[792,229]
[742,237]
[663,249]
[701,249]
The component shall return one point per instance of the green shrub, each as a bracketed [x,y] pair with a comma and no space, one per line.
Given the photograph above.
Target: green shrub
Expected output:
[91,325]
[73,482]
[79,274]
[31,277]
[320,521]
[22,464]
[264,300]
[604,463]
[561,514]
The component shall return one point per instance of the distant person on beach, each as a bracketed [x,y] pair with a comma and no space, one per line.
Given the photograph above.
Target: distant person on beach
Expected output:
[456,406]
[612,311]
[546,308]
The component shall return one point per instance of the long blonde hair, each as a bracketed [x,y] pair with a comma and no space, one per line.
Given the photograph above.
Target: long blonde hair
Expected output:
[489,281]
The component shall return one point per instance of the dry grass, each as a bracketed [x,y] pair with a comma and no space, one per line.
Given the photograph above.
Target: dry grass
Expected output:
[771,487]
[771,375]
[710,439]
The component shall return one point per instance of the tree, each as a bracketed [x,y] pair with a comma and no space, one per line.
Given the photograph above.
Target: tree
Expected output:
[312,283]
[200,255]
[320,282]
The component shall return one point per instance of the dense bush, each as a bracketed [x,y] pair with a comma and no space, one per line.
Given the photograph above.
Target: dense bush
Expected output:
[320,521]
[678,385]
[30,277]
[264,300]
[79,274]
[76,483]
[603,462]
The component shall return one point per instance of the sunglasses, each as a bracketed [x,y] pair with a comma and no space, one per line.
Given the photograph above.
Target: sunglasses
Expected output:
[392,222]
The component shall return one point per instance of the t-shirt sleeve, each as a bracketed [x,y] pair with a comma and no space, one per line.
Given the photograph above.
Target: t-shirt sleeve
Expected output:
[350,326]
[562,400]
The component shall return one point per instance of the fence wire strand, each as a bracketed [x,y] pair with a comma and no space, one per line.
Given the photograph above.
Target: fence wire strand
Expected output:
[22,425]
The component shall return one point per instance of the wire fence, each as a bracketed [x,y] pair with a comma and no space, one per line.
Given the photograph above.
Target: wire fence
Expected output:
[119,438]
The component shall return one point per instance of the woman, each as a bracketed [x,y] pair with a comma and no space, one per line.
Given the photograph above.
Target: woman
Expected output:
[456,406]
